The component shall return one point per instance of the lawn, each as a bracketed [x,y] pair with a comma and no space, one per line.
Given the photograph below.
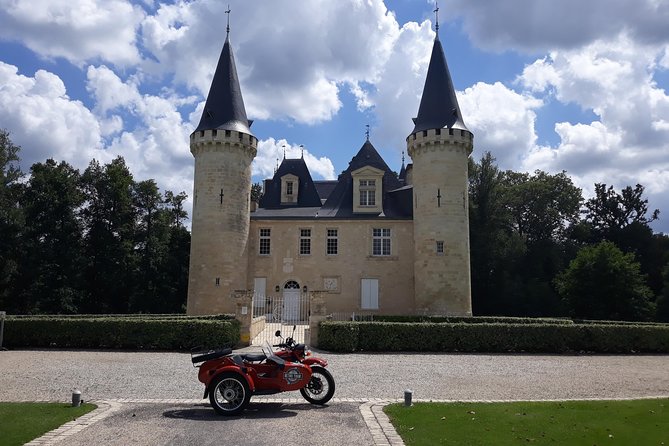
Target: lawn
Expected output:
[638,422]
[23,422]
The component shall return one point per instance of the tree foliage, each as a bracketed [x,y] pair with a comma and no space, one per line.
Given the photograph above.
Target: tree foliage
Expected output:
[526,228]
[93,242]
[602,282]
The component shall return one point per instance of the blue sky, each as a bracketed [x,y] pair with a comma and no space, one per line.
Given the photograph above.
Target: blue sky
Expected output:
[548,85]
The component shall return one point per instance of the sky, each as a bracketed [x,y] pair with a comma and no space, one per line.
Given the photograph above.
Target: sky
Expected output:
[569,85]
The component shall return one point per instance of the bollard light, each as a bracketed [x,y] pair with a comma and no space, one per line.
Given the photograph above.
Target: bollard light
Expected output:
[408,394]
[76,398]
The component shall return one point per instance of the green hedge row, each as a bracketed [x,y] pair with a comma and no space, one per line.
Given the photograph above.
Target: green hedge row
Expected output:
[492,338]
[221,317]
[121,332]
[465,319]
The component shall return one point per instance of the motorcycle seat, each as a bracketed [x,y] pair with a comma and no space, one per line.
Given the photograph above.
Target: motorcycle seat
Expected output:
[253,357]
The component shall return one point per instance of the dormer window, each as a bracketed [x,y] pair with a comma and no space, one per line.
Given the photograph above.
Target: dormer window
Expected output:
[367,190]
[289,189]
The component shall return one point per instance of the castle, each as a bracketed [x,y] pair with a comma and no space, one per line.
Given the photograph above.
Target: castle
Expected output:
[371,241]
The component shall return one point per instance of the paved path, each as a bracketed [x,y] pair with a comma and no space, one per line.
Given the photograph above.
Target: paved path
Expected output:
[153,398]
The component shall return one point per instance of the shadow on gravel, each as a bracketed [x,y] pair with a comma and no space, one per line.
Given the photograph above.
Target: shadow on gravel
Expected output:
[253,411]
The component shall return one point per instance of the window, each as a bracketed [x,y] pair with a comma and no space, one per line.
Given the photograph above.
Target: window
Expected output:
[440,247]
[305,242]
[264,242]
[367,192]
[332,247]
[381,242]
[369,290]
[289,188]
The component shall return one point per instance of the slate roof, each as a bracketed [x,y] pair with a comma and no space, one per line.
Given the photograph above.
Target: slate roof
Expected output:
[307,194]
[397,199]
[438,106]
[224,109]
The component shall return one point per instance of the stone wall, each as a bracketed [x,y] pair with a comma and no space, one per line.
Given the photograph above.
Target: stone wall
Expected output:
[353,262]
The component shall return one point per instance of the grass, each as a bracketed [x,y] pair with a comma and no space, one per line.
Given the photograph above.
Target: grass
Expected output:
[637,422]
[23,422]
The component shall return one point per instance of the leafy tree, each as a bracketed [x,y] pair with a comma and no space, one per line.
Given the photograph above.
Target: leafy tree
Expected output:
[256,192]
[11,217]
[624,219]
[609,211]
[541,206]
[52,261]
[663,301]
[109,217]
[604,283]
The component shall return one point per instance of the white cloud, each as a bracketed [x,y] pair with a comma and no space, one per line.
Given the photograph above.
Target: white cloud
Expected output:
[158,147]
[44,120]
[629,142]
[502,121]
[295,70]
[397,92]
[77,30]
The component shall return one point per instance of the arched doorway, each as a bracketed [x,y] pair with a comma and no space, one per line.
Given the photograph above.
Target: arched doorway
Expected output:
[291,301]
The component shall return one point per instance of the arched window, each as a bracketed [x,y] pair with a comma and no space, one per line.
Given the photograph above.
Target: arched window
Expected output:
[291,285]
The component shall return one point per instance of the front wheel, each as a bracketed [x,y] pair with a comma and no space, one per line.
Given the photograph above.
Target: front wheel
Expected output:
[229,394]
[320,388]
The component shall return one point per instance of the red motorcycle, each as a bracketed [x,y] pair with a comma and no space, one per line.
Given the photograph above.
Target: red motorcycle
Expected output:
[231,379]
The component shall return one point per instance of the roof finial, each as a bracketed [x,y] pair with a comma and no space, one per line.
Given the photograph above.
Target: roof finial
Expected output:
[302,147]
[284,151]
[436,22]
[402,157]
[367,131]
[227,29]
[277,165]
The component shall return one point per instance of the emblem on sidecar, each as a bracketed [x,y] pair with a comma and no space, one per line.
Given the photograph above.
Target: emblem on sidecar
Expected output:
[292,376]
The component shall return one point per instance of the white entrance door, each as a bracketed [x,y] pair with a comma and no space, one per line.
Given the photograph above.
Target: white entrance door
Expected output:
[291,302]
[259,287]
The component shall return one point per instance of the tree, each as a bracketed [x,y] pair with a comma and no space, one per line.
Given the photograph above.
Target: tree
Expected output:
[662,314]
[541,206]
[52,261]
[256,192]
[604,283]
[609,211]
[109,217]
[11,217]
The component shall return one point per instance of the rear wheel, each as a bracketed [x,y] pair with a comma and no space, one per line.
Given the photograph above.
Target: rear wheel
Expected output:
[320,388]
[229,394]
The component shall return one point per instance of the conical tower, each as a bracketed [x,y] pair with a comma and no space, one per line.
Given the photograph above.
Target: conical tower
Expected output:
[223,147]
[440,145]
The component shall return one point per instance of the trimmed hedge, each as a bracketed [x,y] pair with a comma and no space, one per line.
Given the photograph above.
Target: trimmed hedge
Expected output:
[465,319]
[492,337]
[221,317]
[173,333]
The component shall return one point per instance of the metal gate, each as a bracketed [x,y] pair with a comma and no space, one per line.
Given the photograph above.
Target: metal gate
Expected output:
[282,313]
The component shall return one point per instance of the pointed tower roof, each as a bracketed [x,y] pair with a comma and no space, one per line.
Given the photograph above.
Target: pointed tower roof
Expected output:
[438,106]
[224,109]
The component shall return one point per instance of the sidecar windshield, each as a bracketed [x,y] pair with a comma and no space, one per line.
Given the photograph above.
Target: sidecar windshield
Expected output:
[269,353]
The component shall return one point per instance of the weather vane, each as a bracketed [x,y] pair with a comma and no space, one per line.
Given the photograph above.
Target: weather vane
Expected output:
[227,29]
[367,131]
[436,13]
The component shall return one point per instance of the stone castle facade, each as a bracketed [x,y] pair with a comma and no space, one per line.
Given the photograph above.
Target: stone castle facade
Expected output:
[371,241]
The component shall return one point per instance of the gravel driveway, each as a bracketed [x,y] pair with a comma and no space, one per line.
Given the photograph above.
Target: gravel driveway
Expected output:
[51,375]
